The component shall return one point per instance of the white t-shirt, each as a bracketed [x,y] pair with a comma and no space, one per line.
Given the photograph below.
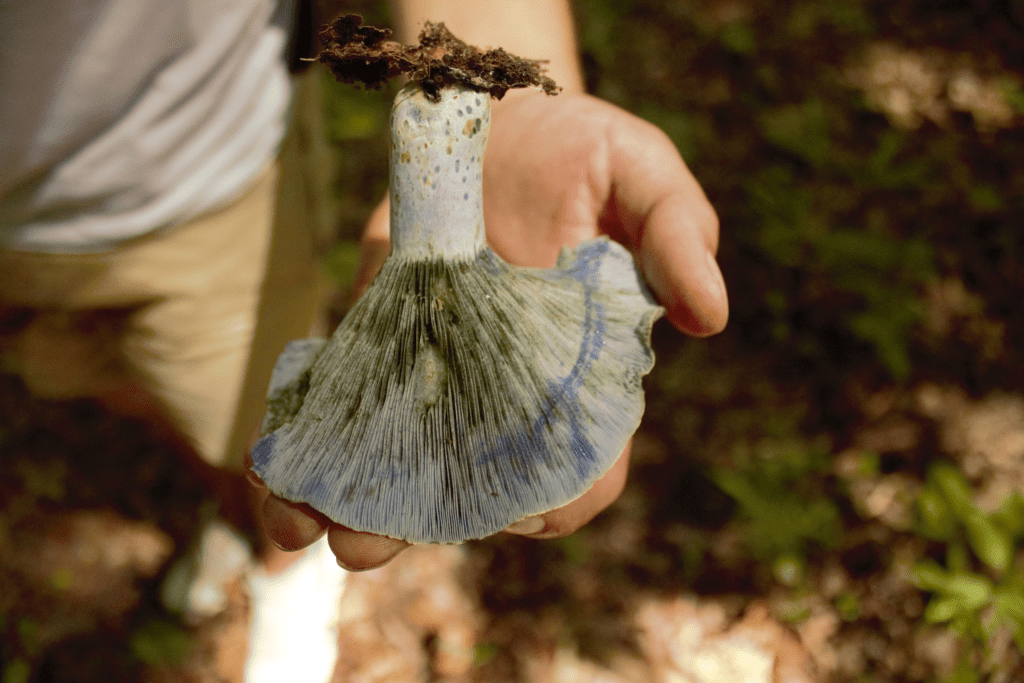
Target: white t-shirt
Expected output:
[120,117]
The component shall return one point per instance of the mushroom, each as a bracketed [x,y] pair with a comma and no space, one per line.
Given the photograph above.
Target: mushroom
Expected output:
[460,394]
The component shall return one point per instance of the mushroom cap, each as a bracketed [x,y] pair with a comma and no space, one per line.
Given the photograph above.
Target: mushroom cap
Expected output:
[462,395]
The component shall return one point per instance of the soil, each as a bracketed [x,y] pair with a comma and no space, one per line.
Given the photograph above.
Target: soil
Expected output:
[360,54]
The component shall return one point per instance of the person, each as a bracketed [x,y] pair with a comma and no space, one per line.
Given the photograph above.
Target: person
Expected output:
[151,233]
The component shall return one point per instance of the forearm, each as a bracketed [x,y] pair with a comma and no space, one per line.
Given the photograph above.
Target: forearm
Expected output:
[535,29]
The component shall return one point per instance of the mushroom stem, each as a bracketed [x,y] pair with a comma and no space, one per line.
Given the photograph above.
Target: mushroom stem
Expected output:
[437,151]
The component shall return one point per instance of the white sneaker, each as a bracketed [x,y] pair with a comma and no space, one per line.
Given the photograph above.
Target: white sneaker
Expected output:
[196,585]
[294,635]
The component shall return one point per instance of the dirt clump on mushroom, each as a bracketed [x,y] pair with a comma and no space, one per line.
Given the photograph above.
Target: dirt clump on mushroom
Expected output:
[358,54]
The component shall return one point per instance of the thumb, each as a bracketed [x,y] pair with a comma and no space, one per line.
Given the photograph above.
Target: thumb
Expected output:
[666,217]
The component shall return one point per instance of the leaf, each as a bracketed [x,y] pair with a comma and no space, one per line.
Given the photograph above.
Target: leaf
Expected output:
[848,606]
[781,521]
[1014,95]
[993,546]
[889,343]
[342,263]
[740,489]
[62,579]
[1010,604]
[676,124]
[954,487]
[484,653]
[957,558]
[800,129]
[1010,515]
[964,672]
[161,643]
[929,576]
[972,590]
[985,198]
[739,38]
[935,516]
[940,610]
[352,114]
[17,671]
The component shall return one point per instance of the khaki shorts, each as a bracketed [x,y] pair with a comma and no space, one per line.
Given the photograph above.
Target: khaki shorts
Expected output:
[196,313]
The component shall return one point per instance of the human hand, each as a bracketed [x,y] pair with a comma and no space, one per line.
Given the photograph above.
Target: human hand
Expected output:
[560,170]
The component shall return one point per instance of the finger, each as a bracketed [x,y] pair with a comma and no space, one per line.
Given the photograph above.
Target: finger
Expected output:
[292,526]
[681,271]
[357,551]
[254,480]
[569,518]
[251,476]
[669,221]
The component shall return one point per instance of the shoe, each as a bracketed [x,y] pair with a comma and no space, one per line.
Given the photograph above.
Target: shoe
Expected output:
[196,586]
[294,635]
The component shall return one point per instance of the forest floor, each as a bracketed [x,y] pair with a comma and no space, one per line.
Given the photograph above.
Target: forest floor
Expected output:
[663,586]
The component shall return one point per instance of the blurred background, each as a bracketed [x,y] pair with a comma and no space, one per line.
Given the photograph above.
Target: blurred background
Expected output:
[832,488]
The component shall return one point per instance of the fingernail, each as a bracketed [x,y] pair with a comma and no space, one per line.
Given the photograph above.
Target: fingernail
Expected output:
[350,568]
[254,480]
[715,279]
[526,527]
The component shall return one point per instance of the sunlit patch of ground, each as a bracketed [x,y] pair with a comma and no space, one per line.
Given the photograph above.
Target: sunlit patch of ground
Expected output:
[912,86]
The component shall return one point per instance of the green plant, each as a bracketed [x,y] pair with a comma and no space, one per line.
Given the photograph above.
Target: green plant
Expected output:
[979,589]
[784,504]
[161,642]
[342,262]
[835,273]
[16,671]
[19,647]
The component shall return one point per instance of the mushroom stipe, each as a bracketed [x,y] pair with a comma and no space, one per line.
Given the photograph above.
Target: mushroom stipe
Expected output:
[460,394]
